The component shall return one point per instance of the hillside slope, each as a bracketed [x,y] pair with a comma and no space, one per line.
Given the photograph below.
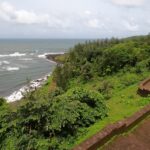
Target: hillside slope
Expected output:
[96,85]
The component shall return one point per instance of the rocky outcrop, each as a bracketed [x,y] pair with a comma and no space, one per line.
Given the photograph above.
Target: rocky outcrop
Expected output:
[144,88]
[52,57]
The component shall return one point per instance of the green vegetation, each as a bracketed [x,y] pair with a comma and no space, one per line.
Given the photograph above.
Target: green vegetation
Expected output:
[61,58]
[96,85]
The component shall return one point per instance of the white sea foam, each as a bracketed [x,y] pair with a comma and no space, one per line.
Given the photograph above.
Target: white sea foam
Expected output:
[44,55]
[9,68]
[1,56]
[18,95]
[4,62]
[16,54]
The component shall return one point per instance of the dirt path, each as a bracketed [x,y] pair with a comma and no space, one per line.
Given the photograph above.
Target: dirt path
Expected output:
[139,139]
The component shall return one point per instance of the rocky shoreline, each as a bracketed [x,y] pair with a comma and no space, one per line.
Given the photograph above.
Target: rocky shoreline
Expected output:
[52,57]
[33,85]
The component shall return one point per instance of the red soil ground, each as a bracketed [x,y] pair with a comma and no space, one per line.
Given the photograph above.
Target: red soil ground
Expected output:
[139,139]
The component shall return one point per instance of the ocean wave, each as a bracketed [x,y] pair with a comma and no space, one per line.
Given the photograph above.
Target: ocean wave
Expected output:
[52,53]
[4,62]
[8,68]
[18,95]
[15,54]
[42,56]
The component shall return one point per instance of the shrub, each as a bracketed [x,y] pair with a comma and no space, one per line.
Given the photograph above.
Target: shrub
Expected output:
[48,123]
[105,88]
[129,79]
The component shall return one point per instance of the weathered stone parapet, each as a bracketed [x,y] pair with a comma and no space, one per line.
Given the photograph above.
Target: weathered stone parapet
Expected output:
[111,130]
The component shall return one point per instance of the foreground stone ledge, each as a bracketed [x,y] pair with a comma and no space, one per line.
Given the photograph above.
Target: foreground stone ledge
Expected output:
[100,138]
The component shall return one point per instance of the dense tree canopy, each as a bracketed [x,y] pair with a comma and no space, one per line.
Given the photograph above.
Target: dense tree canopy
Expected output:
[103,57]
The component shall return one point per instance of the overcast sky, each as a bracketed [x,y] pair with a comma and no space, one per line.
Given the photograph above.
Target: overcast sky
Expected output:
[73,18]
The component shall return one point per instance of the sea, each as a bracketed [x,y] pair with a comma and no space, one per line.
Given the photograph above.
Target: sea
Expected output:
[23,60]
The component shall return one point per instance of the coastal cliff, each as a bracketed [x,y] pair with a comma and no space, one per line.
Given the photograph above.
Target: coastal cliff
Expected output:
[97,85]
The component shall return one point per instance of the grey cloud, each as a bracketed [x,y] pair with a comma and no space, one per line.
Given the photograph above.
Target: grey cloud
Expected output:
[86,18]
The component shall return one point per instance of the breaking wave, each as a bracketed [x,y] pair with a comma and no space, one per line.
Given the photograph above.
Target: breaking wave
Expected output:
[8,68]
[4,62]
[44,55]
[16,54]
[17,95]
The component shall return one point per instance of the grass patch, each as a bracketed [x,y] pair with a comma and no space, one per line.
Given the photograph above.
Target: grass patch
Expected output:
[123,103]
